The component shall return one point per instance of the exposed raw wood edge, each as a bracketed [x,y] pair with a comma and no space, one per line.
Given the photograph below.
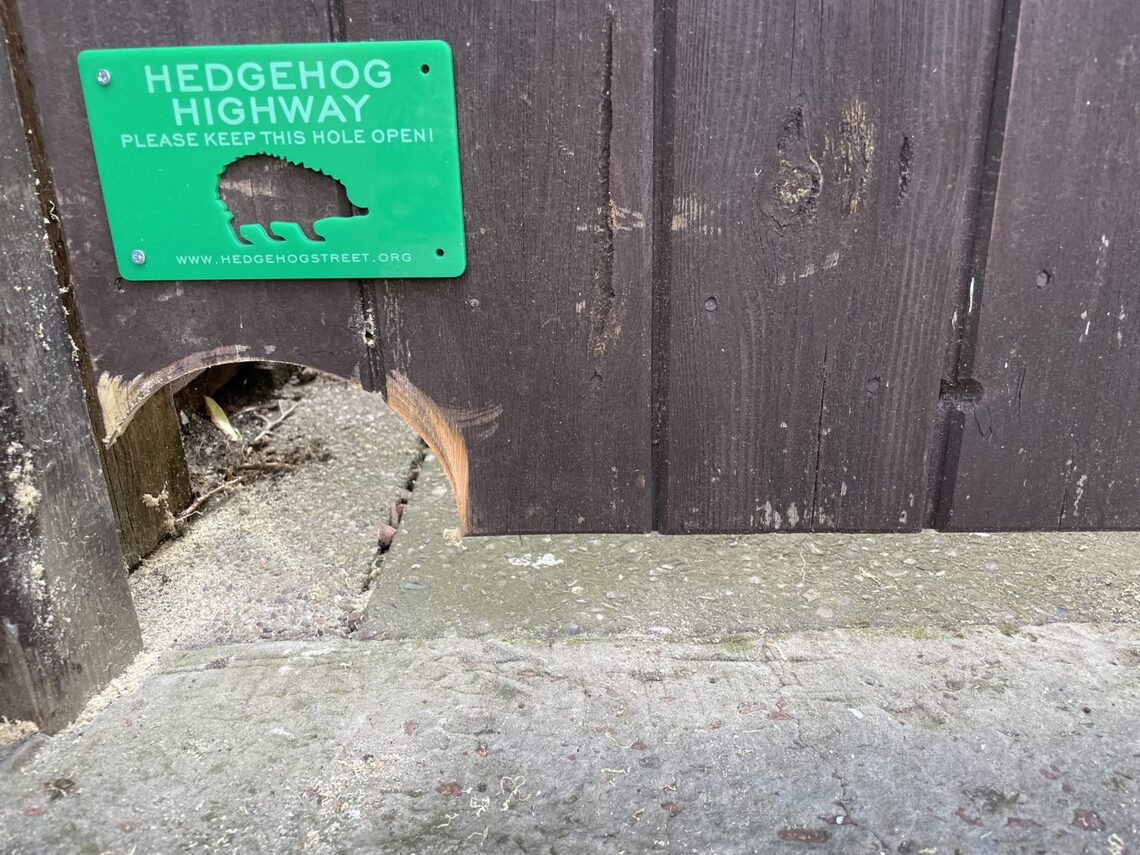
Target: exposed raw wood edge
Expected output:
[441,435]
[120,399]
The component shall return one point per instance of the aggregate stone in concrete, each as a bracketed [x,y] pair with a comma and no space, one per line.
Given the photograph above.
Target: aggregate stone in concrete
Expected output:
[707,587]
[287,556]
[832,741]
[908,693]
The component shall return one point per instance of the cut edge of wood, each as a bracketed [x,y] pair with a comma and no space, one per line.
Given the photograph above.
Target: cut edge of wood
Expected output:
[443,437]
[120,399]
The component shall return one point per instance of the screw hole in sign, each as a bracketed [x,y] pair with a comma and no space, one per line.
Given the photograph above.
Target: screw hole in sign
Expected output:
[425,68]
[439,252]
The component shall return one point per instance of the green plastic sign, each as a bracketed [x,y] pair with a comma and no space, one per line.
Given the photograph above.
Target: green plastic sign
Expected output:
[375,118]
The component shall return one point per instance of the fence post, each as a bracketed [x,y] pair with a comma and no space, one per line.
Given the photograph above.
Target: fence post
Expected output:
[67,624]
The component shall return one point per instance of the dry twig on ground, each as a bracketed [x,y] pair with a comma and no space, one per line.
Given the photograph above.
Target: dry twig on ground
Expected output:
[263,437]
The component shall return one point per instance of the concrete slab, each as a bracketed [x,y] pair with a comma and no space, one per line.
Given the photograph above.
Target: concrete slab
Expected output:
[833,741]
[704,587]
[612,693]
[287,556]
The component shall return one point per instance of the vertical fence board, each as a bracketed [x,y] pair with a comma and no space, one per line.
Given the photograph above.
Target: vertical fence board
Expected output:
[1051,442]
[539,354]
[147,458]
[824,161]
[67,625]
[141,335]
[147,476]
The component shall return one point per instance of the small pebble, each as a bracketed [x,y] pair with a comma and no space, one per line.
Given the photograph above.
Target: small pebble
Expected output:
[386,533]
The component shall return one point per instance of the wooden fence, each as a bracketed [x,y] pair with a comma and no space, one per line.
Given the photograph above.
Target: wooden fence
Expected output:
[733,266]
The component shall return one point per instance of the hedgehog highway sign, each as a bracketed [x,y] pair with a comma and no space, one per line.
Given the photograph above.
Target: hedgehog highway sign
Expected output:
[171,127]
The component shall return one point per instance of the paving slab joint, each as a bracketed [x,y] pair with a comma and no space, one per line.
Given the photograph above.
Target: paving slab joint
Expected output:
[387,532]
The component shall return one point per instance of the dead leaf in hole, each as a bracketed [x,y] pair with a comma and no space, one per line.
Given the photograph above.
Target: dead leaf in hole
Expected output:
[221,420]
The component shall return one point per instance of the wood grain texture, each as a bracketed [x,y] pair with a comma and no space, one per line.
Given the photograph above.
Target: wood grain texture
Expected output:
[258,189]
[142,335]
[785,305]
[147,477]
[825,160]
[1051,442]
[539,354]
[67,624]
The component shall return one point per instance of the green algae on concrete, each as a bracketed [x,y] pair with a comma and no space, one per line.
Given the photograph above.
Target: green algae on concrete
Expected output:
[717,587]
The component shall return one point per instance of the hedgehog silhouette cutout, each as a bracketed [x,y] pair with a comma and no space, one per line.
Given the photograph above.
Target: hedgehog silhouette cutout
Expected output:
[280,197]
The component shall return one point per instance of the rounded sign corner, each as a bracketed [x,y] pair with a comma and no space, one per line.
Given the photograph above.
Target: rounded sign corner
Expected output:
[460,267]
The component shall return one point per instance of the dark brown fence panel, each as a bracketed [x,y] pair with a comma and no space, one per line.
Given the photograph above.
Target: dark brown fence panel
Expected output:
[760,215]
[141,335]
[67,625]
[1051,443]
[822,186]
[533,368]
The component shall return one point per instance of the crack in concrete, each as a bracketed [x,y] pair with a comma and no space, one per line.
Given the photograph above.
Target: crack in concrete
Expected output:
[388,530]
